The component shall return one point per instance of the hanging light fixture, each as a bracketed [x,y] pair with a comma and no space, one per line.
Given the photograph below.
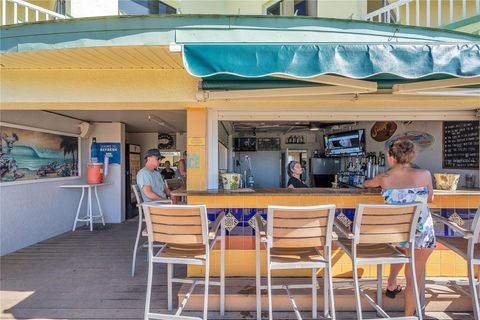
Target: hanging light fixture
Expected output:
[313,127]
[161,122]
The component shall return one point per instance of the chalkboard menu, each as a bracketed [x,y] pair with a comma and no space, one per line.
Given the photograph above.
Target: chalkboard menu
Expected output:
[461,144]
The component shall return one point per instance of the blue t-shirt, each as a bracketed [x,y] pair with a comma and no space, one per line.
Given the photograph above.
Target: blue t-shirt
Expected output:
[153,179]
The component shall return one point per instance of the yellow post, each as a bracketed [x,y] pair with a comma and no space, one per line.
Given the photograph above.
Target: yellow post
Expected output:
[197,148]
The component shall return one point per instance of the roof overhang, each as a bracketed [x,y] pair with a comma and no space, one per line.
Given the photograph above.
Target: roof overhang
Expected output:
[363,57]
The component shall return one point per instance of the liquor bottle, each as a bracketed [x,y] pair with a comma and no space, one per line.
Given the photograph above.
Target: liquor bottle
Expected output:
[382,159]
[94,151]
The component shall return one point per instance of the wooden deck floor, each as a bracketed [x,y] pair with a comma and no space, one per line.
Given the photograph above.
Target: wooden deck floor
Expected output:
[86,275]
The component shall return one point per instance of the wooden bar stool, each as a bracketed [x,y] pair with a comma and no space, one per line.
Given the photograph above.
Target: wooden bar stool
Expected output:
[468,247]
[141,230]
[188,239]
[293,240]
[375,228]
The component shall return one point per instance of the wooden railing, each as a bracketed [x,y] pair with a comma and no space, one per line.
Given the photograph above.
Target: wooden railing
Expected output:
[421,12]
[26,12]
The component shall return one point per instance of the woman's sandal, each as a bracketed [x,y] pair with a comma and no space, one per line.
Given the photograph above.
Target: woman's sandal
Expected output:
[392,293]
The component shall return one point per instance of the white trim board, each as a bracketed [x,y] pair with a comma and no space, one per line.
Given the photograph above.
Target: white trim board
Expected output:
[316,115]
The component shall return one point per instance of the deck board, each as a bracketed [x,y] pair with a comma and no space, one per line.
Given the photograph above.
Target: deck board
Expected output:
[86,275]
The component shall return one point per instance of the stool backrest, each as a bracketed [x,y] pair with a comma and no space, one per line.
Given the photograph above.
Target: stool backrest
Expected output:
[177,224]
[297,227]
[138,193]
[386,223]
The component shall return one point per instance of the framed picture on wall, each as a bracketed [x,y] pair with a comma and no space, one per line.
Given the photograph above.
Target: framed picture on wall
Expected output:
[31,154]
[166,141]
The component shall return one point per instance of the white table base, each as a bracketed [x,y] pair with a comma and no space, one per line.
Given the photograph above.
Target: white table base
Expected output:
[90,216]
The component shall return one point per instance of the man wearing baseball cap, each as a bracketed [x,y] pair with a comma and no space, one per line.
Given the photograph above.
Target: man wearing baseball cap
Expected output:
[149,180]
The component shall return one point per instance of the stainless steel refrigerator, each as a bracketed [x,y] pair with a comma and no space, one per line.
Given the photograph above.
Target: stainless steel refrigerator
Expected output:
[323,171]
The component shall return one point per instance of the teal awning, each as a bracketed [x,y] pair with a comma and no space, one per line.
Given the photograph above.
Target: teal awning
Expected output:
[352,60]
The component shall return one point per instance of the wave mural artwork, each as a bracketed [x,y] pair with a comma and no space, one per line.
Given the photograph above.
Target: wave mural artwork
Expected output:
[32,154]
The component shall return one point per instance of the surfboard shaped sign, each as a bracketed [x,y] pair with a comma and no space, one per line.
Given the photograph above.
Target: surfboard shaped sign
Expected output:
[383,130]
[421,139]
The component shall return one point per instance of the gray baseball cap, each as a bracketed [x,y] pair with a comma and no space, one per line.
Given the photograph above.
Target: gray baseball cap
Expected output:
[154,152]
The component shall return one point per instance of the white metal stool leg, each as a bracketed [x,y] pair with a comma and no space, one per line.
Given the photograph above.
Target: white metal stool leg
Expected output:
[222,269]
[473,290]
[415,285]
[78,209]
[326,295]
[422,293]
[99,206]
[169,286]
[269,284]
[149,287]
[357,292]
[90,212]
[330,288]
[207,278]
[139,232]
[258,290]
[379,284]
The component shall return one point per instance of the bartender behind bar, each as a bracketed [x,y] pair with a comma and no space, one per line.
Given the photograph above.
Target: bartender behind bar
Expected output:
[295,170]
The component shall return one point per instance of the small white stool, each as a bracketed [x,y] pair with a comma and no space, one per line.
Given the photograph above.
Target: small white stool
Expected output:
[89,217]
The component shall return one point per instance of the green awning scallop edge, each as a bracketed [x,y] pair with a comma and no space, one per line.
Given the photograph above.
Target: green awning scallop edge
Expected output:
[352,60]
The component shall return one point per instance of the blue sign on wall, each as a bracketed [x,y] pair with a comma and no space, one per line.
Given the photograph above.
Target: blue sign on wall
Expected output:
[112,150]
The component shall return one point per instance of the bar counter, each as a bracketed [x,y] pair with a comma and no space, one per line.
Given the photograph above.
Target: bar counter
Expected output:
[316,191]
[240,206]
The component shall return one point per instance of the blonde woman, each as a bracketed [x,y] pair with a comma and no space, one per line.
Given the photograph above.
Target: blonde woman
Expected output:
[400,185]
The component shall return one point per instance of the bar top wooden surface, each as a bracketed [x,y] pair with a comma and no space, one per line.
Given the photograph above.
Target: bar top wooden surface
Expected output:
[316,192]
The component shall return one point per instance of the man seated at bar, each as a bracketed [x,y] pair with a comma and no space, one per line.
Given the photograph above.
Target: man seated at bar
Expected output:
[149,180]
[403,184]
[295,170]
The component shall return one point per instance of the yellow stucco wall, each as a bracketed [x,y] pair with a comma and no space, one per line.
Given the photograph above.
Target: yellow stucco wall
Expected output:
[346,9]
[240,7]
[133,89]
[197,162]
[95,85]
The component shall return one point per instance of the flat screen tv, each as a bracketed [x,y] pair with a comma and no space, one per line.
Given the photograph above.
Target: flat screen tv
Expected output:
[245,144]
[349,143]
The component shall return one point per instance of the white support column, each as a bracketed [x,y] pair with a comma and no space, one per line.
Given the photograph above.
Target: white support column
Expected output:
[417,13]
[15,13]
[212,149]
[451,11]
[439,19]
[428,13]
[407,13]
[4,12]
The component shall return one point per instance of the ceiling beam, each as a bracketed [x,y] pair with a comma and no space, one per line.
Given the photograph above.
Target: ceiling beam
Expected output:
[204,95]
